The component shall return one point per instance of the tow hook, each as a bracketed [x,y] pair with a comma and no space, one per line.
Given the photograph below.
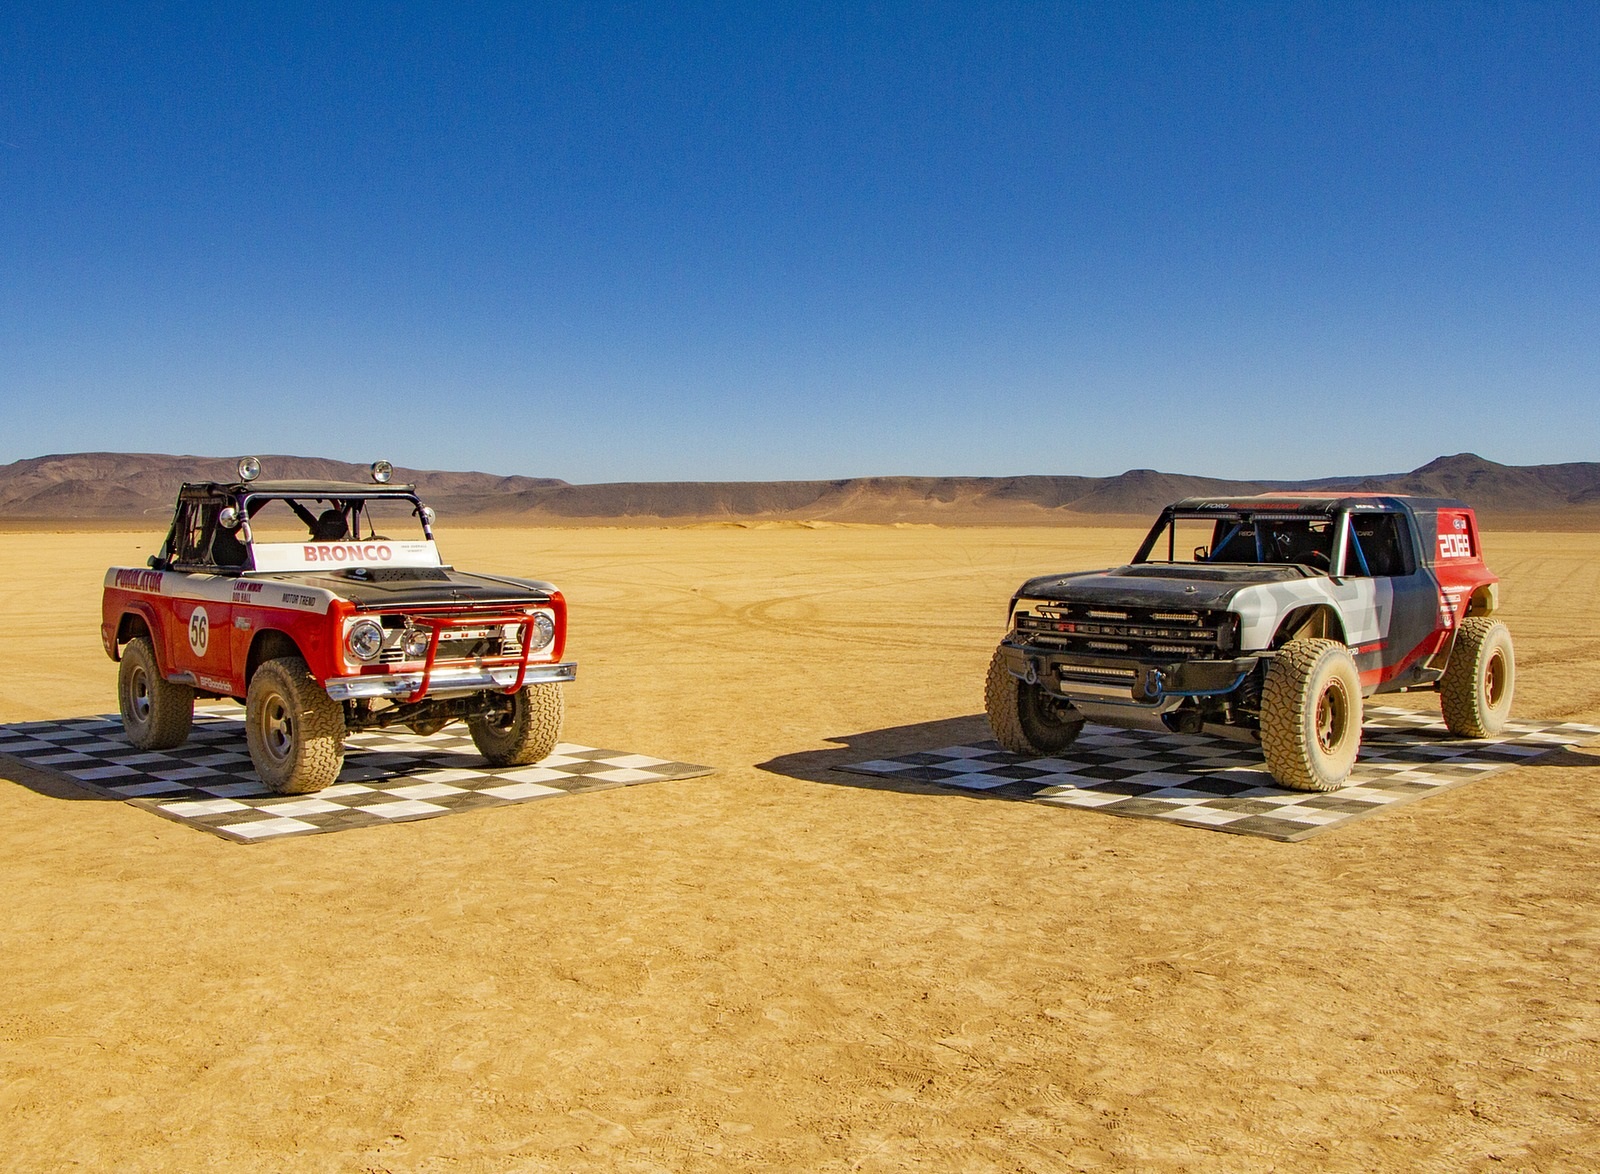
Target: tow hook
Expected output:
[1031,677]
[1151,686]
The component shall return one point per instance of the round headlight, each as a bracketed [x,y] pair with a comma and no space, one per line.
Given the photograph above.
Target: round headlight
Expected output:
[416,643]
[364,640]
[228,519]
[249,468]
[382,471]
[544,631]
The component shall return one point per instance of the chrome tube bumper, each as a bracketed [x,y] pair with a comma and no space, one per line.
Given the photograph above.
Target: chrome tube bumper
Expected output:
[447,681]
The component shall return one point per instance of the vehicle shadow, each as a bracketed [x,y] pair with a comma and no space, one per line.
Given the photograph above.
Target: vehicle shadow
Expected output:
[49,784]
[823,766]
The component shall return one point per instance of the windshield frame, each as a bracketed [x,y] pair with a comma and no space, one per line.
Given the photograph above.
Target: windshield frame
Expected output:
[1164,532]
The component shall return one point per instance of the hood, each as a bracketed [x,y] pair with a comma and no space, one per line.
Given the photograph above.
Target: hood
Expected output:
[1159,584]
[386,589]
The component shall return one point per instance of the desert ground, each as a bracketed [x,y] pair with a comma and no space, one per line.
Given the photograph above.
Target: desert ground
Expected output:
[779,967]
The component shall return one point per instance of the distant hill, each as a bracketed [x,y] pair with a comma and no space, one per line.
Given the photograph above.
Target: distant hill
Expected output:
[135,486]
[130,485]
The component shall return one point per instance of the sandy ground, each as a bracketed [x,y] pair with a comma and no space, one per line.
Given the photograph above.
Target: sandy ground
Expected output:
[777,967]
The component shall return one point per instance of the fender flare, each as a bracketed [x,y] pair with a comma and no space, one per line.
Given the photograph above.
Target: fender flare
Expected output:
[1322,619]
[266,644]
[146,615]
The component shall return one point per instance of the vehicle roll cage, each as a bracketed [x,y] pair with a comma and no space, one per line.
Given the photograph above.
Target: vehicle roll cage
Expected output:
[1346,542]
[250,497]
[338,497]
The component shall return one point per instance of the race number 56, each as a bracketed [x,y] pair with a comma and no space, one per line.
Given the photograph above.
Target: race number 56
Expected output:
[199,631]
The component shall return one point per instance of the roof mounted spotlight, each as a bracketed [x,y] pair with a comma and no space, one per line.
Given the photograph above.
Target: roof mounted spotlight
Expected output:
[249,468]
[382,471]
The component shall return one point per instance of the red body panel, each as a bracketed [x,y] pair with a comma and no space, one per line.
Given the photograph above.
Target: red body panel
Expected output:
[1453,556]
[204,626]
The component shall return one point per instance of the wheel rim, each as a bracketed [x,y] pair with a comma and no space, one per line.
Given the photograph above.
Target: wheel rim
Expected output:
[1494,681]
[276,727]
[139,695]
[1333,709]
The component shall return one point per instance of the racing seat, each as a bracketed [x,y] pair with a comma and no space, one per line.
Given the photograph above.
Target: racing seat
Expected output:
[330,526]
[227,550]
[1240,547]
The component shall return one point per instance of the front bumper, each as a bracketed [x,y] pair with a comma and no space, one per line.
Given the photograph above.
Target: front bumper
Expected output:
[1156,685]
[446,682]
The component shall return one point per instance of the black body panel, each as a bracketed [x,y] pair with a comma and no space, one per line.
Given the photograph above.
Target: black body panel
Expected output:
[425,589]
[1164,585]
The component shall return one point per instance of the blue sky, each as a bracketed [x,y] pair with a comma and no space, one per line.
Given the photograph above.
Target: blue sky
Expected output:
[772,241]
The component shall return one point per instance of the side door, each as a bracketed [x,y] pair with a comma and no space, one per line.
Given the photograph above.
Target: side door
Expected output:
[1383,547]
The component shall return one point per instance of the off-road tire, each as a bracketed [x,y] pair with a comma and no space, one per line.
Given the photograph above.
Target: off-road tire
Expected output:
[1023,721]
[1475,692]
[295,730]
[527,734]
[1311,715]
[156,714]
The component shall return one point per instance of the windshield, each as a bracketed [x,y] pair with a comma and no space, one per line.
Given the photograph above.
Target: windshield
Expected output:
[330,519]
[1240,537]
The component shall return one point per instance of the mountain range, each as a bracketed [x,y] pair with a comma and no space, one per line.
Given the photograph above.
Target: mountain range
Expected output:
[141,486]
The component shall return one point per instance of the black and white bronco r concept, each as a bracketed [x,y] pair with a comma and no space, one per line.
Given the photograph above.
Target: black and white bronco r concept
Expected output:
[1275,615]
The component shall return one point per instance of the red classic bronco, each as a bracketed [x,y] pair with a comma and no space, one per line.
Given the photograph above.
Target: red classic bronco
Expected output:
[324,607]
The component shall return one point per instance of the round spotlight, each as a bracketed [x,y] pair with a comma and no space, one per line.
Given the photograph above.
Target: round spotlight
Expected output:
[427,515]
[249,468]
[365,639]
[382,471]
[416,642]
[228,519]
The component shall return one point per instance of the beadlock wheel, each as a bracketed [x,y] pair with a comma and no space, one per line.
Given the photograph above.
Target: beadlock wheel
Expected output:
[1475,693]
[1023,717]
[1311,715]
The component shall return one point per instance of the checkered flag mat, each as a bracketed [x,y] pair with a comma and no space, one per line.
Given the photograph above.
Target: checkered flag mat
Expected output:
[1212,782]
[208,782]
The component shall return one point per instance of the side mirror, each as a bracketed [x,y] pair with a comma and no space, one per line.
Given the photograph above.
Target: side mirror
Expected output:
[1202,553]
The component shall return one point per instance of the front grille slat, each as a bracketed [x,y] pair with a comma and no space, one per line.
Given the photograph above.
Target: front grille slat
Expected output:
[473,649]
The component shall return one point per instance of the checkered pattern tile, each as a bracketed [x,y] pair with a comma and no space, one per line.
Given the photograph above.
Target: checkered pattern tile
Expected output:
[209,783]
[1212,782]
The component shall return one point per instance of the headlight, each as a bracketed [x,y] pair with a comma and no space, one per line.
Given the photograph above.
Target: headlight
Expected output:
[249,468]
[416,643]
[544,631]
[364,640]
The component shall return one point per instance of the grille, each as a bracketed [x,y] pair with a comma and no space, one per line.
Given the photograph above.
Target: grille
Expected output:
[1125,631]
[457,644]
